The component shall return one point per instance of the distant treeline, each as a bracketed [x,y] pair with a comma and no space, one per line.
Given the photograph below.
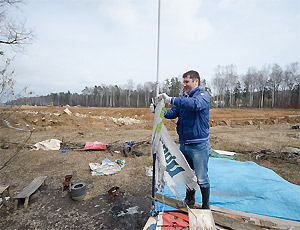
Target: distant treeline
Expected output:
[271,86]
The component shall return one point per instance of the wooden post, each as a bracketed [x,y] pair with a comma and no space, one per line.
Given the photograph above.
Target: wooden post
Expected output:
[16,204]
[26,202]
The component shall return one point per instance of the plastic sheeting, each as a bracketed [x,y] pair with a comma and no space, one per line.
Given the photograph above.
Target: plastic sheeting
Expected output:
[106,168]
[248,187]
[94,145]
[50,144]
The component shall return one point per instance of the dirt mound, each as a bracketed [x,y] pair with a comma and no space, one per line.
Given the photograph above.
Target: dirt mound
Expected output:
[44,118]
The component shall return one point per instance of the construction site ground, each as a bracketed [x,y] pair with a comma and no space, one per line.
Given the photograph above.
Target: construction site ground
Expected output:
[268,137]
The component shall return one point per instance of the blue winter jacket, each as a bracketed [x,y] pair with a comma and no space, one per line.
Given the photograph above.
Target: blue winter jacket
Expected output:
[193,115]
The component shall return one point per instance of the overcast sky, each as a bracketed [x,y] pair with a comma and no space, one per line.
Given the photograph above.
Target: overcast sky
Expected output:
[83,43]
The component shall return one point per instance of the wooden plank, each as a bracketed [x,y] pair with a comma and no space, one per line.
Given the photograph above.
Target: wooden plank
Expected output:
[32,187]
[236,219]
[201,219]
[3,188]
[151,220]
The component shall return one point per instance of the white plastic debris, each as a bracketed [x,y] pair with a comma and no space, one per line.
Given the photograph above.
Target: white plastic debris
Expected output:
[67,111]
[106,168]
[149,171]
[223,152]
[50,144]
[130,211]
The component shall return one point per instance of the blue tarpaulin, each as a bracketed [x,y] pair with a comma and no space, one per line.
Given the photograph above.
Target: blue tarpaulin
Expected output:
[248,187]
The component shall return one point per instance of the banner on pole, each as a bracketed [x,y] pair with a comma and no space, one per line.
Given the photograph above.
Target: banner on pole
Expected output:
[171,166]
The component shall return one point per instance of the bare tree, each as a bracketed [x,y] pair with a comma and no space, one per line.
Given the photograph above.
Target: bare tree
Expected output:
[13,32]
[148,88]
[262,78]
[231,77]
[14,35]
[250,83]
[129,86]
[219,84]
[276,78]
[6,82]
[87,91]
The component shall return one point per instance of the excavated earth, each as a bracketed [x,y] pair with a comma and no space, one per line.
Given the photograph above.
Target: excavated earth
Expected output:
[271,138]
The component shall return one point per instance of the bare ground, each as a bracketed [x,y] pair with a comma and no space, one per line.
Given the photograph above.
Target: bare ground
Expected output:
[231,129]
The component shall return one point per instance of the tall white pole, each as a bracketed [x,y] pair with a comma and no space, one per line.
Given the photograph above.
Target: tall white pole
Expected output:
[157,92]
[157,58]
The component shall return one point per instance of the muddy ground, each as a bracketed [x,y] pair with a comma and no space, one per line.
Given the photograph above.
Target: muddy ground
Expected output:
[273,146]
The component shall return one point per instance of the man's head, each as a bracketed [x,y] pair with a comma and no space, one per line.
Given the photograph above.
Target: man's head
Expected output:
[191,80]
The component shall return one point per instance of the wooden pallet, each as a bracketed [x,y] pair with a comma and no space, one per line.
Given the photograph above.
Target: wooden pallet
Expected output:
[29,190]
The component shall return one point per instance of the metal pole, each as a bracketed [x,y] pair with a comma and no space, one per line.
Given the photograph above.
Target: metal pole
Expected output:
[157,58]
[153,185]
[157,92]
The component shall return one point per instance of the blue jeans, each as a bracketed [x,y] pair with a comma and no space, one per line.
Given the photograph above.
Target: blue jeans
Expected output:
[197,156]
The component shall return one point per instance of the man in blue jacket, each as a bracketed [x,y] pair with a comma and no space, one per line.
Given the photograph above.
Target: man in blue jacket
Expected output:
[192,111]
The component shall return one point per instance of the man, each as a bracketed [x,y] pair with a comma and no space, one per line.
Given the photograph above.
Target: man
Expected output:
[192,111]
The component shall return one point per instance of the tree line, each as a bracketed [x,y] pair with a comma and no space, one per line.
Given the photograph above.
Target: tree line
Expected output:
[272,86]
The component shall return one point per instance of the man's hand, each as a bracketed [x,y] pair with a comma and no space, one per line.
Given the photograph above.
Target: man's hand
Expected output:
[152,108]
[166,98]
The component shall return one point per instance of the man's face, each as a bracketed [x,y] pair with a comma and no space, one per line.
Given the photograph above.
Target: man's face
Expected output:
[189,84]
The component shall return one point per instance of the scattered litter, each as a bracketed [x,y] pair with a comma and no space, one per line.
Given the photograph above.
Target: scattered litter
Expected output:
[116,151]
[130,143]
[130,211]
[6,198]
[137,153]
[295,127]
[265,151]
[94,145]
[127,150]
[67,183]
[50,144]
[67,111]
[65,151]
[124,120]
[133,210]
[149,171]
[114,191]
[220,154]
[294,149]
[121,163]
[106,168]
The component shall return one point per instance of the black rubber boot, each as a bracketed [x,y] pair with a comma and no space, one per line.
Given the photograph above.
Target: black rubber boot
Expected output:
[189,199]
[205,197]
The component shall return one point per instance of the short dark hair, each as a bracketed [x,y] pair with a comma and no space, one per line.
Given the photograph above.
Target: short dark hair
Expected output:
[193,75]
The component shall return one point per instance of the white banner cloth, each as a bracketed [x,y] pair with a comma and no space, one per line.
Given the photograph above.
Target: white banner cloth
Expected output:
[171,166]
